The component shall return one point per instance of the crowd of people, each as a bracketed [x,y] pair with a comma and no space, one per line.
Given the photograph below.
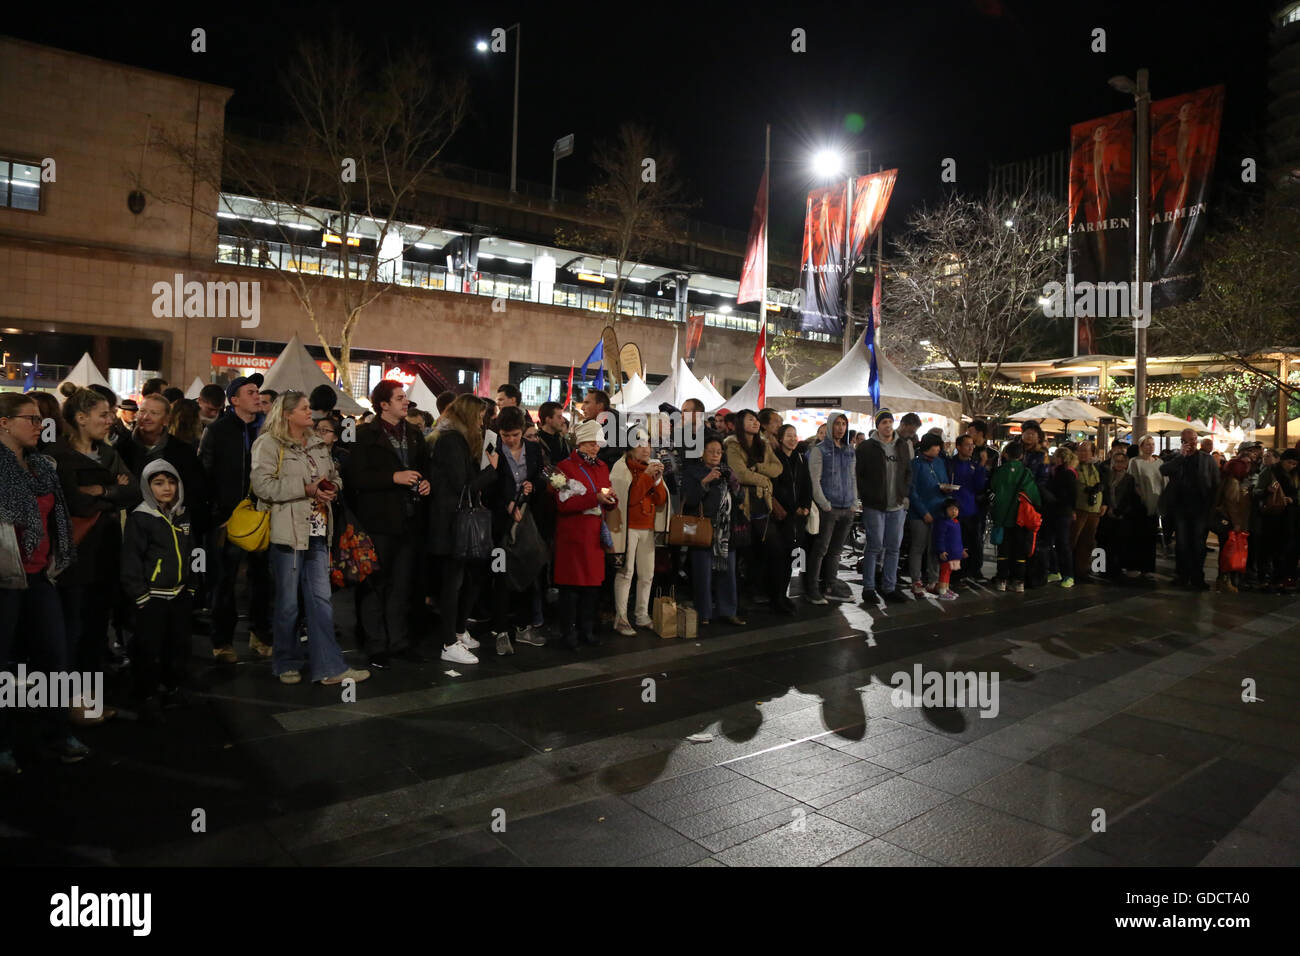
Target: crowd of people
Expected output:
[125,527]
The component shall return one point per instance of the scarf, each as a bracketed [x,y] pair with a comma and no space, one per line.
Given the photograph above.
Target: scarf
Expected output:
[722,530]
[589,459]
[19,489]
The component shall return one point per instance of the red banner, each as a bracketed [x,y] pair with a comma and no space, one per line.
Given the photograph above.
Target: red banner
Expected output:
[694,332]
[751,276]
[825,272]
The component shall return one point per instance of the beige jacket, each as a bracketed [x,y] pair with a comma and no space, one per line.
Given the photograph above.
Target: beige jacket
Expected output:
[280,486]
[759,477]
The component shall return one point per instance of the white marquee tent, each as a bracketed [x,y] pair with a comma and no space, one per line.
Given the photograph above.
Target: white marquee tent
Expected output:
[423,396]
[675,389]
[633,392]
[747,397]
[85,374]
[296,369]
[845,386]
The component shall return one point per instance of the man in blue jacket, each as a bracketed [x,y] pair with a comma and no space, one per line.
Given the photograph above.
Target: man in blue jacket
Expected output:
[834,487]
[925,505]
[972,478]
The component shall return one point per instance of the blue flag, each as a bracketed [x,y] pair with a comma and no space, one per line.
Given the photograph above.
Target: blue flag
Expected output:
[597,355]
[30,383]
[600,377]
[873,381]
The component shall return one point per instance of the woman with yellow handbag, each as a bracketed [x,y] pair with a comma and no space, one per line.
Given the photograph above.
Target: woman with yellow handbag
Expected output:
[295,478]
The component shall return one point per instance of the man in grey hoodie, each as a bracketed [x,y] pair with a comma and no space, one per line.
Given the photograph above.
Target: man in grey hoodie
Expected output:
[830,466]
[884,473]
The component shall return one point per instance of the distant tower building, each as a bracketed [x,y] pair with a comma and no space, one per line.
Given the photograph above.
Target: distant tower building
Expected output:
[1048,174]
[1283,152]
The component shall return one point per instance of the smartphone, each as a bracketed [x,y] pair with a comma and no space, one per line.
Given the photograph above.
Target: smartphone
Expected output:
[491,448]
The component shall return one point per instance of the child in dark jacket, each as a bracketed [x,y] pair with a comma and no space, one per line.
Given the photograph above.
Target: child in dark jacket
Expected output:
[156,576]
[947,545]
[1064,486]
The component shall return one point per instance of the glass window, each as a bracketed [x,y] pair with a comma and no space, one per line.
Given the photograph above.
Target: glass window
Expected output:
[20,185]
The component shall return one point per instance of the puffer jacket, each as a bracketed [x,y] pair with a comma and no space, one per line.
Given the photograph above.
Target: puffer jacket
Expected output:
[926,497]
[156,544]
[756,481]
[279,477]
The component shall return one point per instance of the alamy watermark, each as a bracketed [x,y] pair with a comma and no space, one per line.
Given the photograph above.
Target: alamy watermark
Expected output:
[57,689]
[208,300]
[658,429]
[1100,300]
[922,688]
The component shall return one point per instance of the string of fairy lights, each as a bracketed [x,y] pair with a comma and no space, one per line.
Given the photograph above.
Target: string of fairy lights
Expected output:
[1156,391]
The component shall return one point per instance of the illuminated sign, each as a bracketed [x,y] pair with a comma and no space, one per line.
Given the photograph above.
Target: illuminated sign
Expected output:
[331,237]
[260,363]
[395,374]
[591,277]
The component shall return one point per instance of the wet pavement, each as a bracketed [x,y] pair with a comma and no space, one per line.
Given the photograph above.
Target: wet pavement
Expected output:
[1121,738]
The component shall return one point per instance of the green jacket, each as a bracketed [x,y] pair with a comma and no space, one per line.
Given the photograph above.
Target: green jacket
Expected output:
[1011,478]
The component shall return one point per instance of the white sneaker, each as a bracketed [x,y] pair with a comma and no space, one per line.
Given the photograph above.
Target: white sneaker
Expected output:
[644,622]
[624,628]
[464,638]
[458,654]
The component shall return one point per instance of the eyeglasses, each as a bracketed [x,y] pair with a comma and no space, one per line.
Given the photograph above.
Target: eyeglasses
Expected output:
[34,419]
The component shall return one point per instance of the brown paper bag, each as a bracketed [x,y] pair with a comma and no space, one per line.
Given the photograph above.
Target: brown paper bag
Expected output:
[664,614]
[687,622]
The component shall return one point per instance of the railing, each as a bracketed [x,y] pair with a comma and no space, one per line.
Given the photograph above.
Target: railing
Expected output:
[419,275]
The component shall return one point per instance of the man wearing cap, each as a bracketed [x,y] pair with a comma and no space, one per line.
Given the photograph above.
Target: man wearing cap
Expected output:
[1193,483]
[884,474]
[225,453]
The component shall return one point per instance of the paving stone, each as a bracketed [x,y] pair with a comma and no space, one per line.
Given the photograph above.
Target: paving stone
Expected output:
[880,853]
[1050,799]
[819,841]
[1020,741]
[904,758]
[962,833]
[958,771]
[886,806]
[1116,767]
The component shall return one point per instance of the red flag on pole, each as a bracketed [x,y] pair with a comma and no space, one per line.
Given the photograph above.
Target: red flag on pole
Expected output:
[753,278]
[569,397]
[760,362]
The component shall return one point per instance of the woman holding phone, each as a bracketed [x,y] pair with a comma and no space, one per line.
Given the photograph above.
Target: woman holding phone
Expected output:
[294,477]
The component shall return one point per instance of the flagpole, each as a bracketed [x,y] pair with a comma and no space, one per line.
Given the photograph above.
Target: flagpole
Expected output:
[762,305]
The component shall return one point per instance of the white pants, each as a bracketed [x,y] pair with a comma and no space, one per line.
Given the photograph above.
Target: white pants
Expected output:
[640,558]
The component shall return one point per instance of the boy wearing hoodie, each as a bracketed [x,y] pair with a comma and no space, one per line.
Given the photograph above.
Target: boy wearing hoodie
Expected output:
[948,546]
[156,576]
[834,488]
[1012,540]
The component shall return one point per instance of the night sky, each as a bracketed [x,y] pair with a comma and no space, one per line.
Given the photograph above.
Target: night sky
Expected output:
[976,80]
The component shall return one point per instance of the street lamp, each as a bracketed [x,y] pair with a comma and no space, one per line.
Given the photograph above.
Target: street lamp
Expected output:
[482,47]
[1141,229]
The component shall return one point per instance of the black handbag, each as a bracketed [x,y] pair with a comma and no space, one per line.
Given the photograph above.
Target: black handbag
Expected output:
[471,530]
[526,552]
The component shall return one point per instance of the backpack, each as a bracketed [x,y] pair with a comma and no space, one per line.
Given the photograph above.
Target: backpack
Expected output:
[1027,516]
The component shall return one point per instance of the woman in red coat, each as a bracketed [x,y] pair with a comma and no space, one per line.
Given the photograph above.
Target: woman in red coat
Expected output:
[582,490]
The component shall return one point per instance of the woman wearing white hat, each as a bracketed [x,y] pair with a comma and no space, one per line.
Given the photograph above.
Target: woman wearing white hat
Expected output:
[582,488]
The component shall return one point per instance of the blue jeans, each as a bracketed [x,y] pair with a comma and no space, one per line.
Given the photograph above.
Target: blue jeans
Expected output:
[309,571]
[884,534]
[704,579]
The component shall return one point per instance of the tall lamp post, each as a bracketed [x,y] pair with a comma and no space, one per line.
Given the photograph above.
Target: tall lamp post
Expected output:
[1141,91]
[482,47]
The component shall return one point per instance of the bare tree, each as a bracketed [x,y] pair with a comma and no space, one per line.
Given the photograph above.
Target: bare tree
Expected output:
[967,277]
[1249,304]
[362,143]
[639,199]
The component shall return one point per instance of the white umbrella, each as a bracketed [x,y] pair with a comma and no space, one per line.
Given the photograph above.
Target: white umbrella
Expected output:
[1066,410]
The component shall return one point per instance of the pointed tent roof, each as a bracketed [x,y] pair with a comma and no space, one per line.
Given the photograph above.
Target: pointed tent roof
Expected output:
[715,395]
[423,396]
[296,369]
[675,389]
[85,374]
[196,386]
[635,390]
[847,384]
[747,397]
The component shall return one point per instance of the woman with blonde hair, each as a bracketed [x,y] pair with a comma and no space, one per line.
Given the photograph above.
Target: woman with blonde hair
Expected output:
[1144,523]
[295,479]
[458,479]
